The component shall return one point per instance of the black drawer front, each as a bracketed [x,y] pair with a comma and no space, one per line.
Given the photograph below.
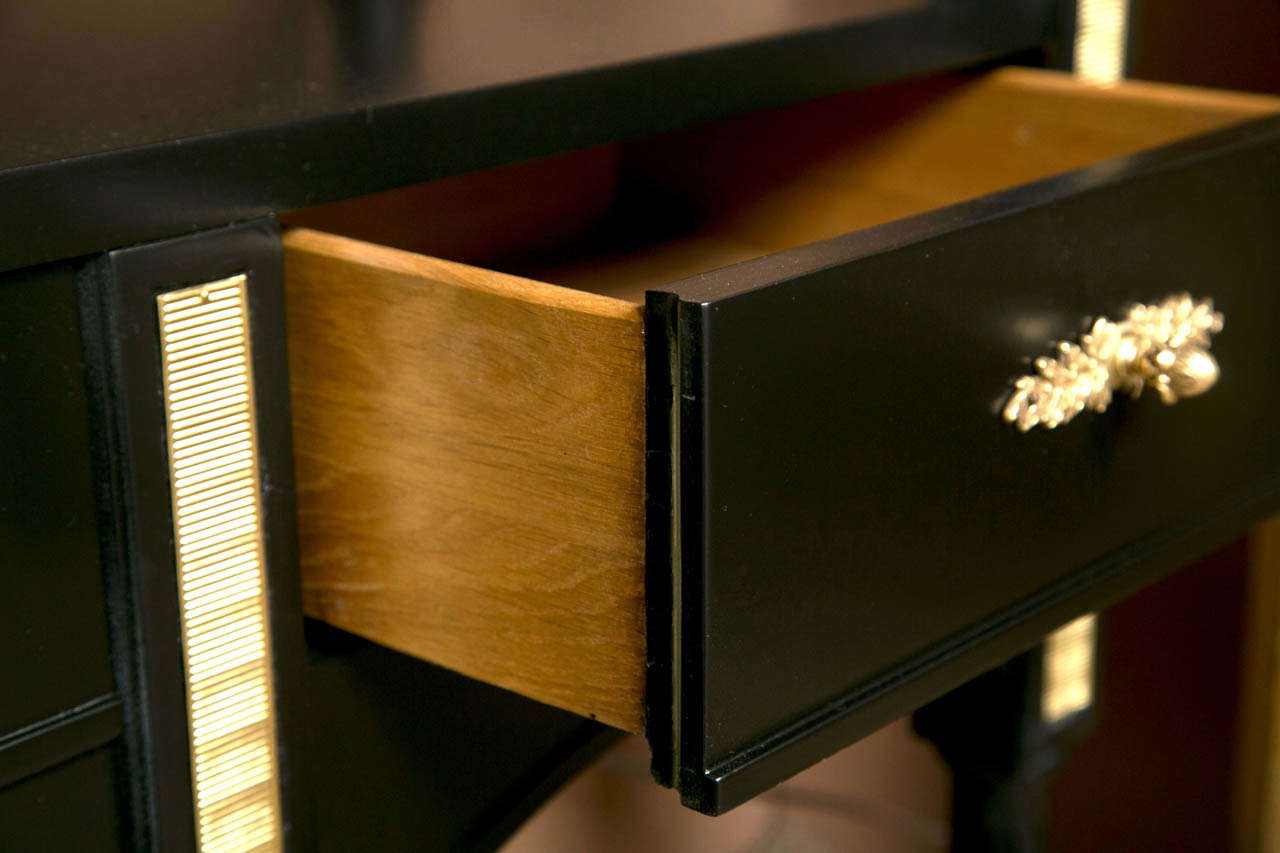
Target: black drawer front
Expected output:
[70,807]
[859,530]
[53,624]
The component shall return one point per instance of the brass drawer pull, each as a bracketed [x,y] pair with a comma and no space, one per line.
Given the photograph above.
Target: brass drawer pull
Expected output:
[1163,346]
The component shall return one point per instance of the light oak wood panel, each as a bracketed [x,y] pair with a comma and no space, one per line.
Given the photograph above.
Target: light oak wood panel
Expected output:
[469,451]
[800,174]
[622,218]
[857,162]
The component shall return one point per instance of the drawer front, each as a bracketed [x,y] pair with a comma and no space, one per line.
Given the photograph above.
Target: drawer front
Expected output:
[190,370]
[852,526]
[73,806]
[53,620]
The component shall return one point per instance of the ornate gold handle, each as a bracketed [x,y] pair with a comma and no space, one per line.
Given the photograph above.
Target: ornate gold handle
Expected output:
[1163,346]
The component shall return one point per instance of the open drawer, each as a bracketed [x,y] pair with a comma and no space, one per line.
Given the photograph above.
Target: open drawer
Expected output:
[759,510]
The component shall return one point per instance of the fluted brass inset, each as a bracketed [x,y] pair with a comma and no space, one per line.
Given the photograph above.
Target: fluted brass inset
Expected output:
[217,518]
[1068,669]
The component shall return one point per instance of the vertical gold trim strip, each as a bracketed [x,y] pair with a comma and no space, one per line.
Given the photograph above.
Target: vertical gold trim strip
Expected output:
[217,524]
[1068,669]
[1101,30]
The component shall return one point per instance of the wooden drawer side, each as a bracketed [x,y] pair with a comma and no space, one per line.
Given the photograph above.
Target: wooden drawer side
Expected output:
[469,452]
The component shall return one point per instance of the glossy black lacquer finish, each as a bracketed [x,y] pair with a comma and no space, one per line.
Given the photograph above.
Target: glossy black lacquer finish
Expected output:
[121,326]
[145,120]
[60,718]
[70,807]
[53,621]
[858,529]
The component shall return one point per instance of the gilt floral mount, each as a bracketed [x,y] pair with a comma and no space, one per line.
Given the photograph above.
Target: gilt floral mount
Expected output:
[1164,346]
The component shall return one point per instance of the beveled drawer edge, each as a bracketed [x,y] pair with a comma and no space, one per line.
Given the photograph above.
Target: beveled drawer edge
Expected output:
[50,741]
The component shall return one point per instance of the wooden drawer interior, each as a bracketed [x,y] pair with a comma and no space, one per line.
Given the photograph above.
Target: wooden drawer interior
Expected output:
[469,441]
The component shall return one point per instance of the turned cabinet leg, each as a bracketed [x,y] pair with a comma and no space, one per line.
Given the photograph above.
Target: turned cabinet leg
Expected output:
[1004,733]
[1257,782]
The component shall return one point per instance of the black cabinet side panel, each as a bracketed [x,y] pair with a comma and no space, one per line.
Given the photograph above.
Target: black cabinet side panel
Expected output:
[53,624]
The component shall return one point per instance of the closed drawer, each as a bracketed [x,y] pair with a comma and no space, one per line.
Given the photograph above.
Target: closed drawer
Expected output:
[53,619]
[759,510]
[73,806]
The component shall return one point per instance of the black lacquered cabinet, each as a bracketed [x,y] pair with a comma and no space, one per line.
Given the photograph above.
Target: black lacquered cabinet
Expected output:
[834,525]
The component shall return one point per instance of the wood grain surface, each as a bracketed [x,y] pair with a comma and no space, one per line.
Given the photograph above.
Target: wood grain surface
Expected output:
[770,181]
[469,451]
[989,133]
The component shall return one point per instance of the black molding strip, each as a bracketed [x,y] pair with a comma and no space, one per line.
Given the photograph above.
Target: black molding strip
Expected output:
[52,741]
[122,615]
[661,545]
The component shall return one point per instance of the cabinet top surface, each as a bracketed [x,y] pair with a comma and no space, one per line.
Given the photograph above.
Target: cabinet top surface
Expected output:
[145,119]
[82,78]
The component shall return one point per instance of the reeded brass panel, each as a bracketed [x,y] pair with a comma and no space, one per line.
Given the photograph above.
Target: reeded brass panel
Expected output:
[1068,669]
[1101,29]
[217,517]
